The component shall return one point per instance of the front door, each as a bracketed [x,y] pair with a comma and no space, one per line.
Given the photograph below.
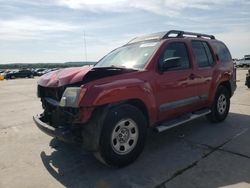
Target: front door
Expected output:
[176,87]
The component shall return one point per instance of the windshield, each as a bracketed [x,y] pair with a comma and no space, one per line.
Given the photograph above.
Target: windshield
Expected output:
[130,56]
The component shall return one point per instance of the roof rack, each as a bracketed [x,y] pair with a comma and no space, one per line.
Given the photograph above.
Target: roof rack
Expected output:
[182,33]
[169,34]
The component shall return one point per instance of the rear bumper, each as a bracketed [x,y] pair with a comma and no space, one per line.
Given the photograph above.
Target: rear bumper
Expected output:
[62,133]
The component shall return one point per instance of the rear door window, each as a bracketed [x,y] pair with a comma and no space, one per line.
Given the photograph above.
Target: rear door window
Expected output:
[202,52]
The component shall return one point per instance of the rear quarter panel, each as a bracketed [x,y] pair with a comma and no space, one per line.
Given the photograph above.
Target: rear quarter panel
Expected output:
[224,71]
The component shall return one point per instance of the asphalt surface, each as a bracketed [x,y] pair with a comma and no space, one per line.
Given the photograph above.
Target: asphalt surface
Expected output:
[196,154]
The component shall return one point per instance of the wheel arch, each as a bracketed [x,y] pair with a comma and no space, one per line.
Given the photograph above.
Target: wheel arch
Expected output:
[141,106]
[92,129]
[227,85]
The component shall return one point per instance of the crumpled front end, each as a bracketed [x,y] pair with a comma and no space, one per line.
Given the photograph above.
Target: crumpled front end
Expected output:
[61,93]
[57,121]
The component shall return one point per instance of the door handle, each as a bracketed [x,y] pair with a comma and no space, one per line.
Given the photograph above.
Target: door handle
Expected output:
[192,76]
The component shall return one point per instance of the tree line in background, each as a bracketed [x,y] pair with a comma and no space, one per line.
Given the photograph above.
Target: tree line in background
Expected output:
[44,65]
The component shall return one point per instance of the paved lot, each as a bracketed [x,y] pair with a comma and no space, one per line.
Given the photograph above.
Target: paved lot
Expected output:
[198,154]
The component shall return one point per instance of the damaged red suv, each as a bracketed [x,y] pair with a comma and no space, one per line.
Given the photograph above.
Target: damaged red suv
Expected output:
[160,80]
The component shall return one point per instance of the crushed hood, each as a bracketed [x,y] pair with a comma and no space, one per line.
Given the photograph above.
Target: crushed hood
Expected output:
[79,75]
[64,76]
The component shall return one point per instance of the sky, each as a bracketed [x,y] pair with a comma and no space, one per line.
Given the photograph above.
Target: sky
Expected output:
[51,31]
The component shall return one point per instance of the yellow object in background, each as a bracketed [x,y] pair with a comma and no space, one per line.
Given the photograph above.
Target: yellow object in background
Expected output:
[1,77]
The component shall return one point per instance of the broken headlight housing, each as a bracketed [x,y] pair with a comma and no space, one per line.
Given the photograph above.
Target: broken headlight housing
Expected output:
[72,96]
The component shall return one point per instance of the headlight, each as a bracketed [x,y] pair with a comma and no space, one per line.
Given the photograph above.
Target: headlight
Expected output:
[71,96]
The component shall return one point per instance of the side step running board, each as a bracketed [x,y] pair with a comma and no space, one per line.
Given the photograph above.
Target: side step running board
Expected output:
[182,119]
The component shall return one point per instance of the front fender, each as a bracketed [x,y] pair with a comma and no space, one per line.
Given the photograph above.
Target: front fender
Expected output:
[121,90]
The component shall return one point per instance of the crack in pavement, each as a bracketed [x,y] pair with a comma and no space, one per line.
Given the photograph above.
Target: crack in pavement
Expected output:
[205,146]
[235,153]
[181,171]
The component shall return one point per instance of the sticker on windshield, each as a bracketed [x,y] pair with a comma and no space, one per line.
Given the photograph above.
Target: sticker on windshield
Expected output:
[148,44]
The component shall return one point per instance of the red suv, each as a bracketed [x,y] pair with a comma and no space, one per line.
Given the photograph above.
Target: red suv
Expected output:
[160,80]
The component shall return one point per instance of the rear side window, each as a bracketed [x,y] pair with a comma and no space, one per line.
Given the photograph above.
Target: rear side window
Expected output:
[222,52]
[202,54]
[176,49]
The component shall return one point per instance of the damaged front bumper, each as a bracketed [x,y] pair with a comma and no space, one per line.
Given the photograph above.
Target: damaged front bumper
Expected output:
[70,125]
[62,133]
[58,122]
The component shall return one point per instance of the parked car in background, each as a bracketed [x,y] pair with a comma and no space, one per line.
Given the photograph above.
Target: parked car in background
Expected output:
[39,72]
[244,62]
[42,71]
[24,73]
[7,71]
[236,62]
[46,71]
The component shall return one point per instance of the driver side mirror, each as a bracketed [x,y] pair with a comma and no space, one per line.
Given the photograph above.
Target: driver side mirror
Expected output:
[173,62]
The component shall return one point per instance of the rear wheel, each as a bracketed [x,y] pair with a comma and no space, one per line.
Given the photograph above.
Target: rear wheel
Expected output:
[122,137]
[221,105]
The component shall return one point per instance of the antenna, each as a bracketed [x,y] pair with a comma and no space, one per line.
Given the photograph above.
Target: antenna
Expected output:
[85,46]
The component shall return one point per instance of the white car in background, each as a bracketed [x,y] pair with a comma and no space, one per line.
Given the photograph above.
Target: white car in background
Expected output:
[245,62]
[236,62]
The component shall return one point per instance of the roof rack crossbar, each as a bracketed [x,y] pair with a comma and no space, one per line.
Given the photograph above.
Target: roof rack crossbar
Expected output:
[181,33]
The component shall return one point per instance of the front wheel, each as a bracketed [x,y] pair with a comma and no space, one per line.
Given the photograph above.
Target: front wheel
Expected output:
[220,106]
[122,137]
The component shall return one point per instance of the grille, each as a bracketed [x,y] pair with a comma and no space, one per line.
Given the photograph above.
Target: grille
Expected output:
[54,93]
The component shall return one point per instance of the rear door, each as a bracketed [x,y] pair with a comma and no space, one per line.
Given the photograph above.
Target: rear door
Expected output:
[204,63]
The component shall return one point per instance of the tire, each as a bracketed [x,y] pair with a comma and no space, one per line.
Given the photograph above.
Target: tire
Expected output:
[248,81]
[220,106]
[123,136]
[12,77]
[248,85]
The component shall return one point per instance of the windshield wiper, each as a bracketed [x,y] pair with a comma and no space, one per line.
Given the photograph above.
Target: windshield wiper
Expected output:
[116,67]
